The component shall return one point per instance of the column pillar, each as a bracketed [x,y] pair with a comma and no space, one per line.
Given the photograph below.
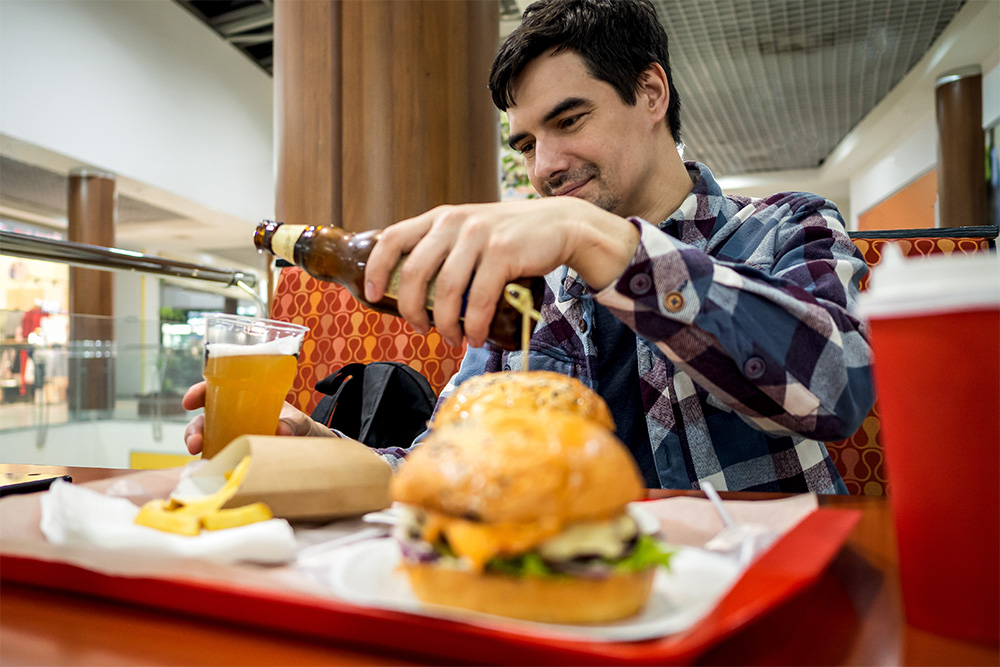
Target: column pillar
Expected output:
[961,148]
[382,109]
[91,218]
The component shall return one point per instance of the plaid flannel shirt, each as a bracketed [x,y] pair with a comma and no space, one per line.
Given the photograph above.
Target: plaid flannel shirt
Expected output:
[748,355]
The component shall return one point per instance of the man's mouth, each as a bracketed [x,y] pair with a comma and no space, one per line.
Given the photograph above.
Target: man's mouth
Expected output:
[570,189]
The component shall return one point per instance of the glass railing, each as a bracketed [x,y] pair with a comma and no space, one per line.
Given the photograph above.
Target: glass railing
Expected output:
[84,390]
[70,397]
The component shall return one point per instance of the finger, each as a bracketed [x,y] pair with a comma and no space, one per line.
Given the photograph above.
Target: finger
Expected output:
[484,294]
[453,280]
[194,397]
[423,264]
[292,421]
[393,242]
[193,434]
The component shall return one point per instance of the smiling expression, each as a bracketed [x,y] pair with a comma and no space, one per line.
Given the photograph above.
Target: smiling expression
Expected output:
[579,138]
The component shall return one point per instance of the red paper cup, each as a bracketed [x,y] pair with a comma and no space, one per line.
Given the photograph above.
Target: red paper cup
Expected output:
[935,332]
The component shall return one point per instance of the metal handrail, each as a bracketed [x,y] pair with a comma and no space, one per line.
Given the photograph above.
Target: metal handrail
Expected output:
[110,259]
[92,256]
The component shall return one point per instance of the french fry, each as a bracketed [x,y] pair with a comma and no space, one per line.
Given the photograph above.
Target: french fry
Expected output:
[236,516]
[154,514]
[188,517]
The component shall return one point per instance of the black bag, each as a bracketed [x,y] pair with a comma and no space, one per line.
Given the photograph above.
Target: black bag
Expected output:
[382,404]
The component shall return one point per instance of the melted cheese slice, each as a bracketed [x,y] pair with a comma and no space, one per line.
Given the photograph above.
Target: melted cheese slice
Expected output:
[477,543]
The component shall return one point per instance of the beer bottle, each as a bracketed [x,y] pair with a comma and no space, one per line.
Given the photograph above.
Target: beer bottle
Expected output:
[334,255]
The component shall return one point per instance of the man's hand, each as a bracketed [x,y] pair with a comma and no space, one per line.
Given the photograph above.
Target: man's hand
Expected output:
[483,247]
[291,422]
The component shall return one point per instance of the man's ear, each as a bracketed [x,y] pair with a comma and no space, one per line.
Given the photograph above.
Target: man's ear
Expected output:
[654,92]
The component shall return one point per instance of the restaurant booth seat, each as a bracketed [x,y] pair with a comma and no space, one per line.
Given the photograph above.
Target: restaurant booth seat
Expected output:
[342,331]
[859,458]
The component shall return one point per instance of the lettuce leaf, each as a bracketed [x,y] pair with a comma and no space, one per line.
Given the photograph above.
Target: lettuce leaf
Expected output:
[526,565]
[648,552]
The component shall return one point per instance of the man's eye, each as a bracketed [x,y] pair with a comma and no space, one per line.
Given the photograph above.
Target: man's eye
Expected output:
[568,122]
[526,149]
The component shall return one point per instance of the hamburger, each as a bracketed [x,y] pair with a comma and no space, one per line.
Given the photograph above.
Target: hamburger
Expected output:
[524,514]
[534,390]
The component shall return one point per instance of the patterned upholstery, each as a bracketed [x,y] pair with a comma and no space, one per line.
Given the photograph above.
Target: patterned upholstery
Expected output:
[871,248]
[859,458]
[342,331]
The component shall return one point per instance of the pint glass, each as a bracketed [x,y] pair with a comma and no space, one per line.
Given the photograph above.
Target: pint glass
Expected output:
[249,367]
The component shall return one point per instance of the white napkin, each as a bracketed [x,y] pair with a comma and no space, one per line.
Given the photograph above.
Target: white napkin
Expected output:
[75,515]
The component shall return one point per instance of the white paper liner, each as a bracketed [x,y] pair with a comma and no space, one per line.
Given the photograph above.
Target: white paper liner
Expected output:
[367,573]
[75,515]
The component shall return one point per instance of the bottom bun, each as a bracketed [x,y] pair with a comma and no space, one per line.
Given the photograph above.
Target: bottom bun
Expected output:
[547,600]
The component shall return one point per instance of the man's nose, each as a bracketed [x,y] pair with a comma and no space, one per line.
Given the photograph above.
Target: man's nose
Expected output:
[550,161]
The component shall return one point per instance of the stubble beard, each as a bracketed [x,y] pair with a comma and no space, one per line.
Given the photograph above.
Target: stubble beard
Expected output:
[600,196]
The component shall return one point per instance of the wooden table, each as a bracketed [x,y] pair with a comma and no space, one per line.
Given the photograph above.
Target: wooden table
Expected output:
[852,616]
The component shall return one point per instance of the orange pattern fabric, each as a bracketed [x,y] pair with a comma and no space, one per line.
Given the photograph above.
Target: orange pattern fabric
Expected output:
[859,458]
[342,331]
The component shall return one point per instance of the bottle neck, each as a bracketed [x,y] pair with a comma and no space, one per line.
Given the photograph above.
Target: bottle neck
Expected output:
[283,241]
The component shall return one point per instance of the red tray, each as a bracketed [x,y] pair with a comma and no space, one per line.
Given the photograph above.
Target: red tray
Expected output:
[793,563]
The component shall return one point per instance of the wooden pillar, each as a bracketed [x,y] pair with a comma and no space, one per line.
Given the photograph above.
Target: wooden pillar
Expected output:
[382,109]
[91,218]
[961,148]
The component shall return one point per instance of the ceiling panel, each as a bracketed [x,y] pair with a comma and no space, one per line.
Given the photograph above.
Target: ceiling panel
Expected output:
[776,84]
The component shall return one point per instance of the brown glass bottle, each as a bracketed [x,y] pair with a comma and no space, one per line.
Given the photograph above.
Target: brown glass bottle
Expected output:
[334,255]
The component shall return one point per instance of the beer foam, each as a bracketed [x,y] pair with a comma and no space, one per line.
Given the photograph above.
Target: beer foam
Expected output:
[283,346]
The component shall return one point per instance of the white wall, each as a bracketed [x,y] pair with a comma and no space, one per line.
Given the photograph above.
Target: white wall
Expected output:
[909,159]
[104,444]
[137,332]
[144,90]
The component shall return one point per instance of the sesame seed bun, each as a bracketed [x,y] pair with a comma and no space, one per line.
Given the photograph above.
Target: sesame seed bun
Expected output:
[531,390]
[545,600]
[519,465]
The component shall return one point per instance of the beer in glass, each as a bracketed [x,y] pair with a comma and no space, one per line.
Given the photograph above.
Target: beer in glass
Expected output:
[249,368]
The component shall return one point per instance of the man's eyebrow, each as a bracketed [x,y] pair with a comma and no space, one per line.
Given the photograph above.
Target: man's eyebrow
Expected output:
[567,104]
[516,139]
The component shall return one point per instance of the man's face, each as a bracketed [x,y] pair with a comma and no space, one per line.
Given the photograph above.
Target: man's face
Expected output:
[577,136]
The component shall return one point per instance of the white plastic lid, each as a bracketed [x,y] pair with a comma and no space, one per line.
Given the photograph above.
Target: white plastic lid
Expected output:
[929,285]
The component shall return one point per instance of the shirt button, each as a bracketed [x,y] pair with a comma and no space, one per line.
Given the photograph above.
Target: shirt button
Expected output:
[583,325]
[673,301]
[640,284]
[754,368]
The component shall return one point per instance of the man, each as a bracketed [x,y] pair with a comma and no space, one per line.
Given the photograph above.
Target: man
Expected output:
[718,328]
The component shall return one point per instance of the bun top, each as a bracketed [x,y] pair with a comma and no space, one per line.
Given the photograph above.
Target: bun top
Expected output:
[520,466]
[529,390]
